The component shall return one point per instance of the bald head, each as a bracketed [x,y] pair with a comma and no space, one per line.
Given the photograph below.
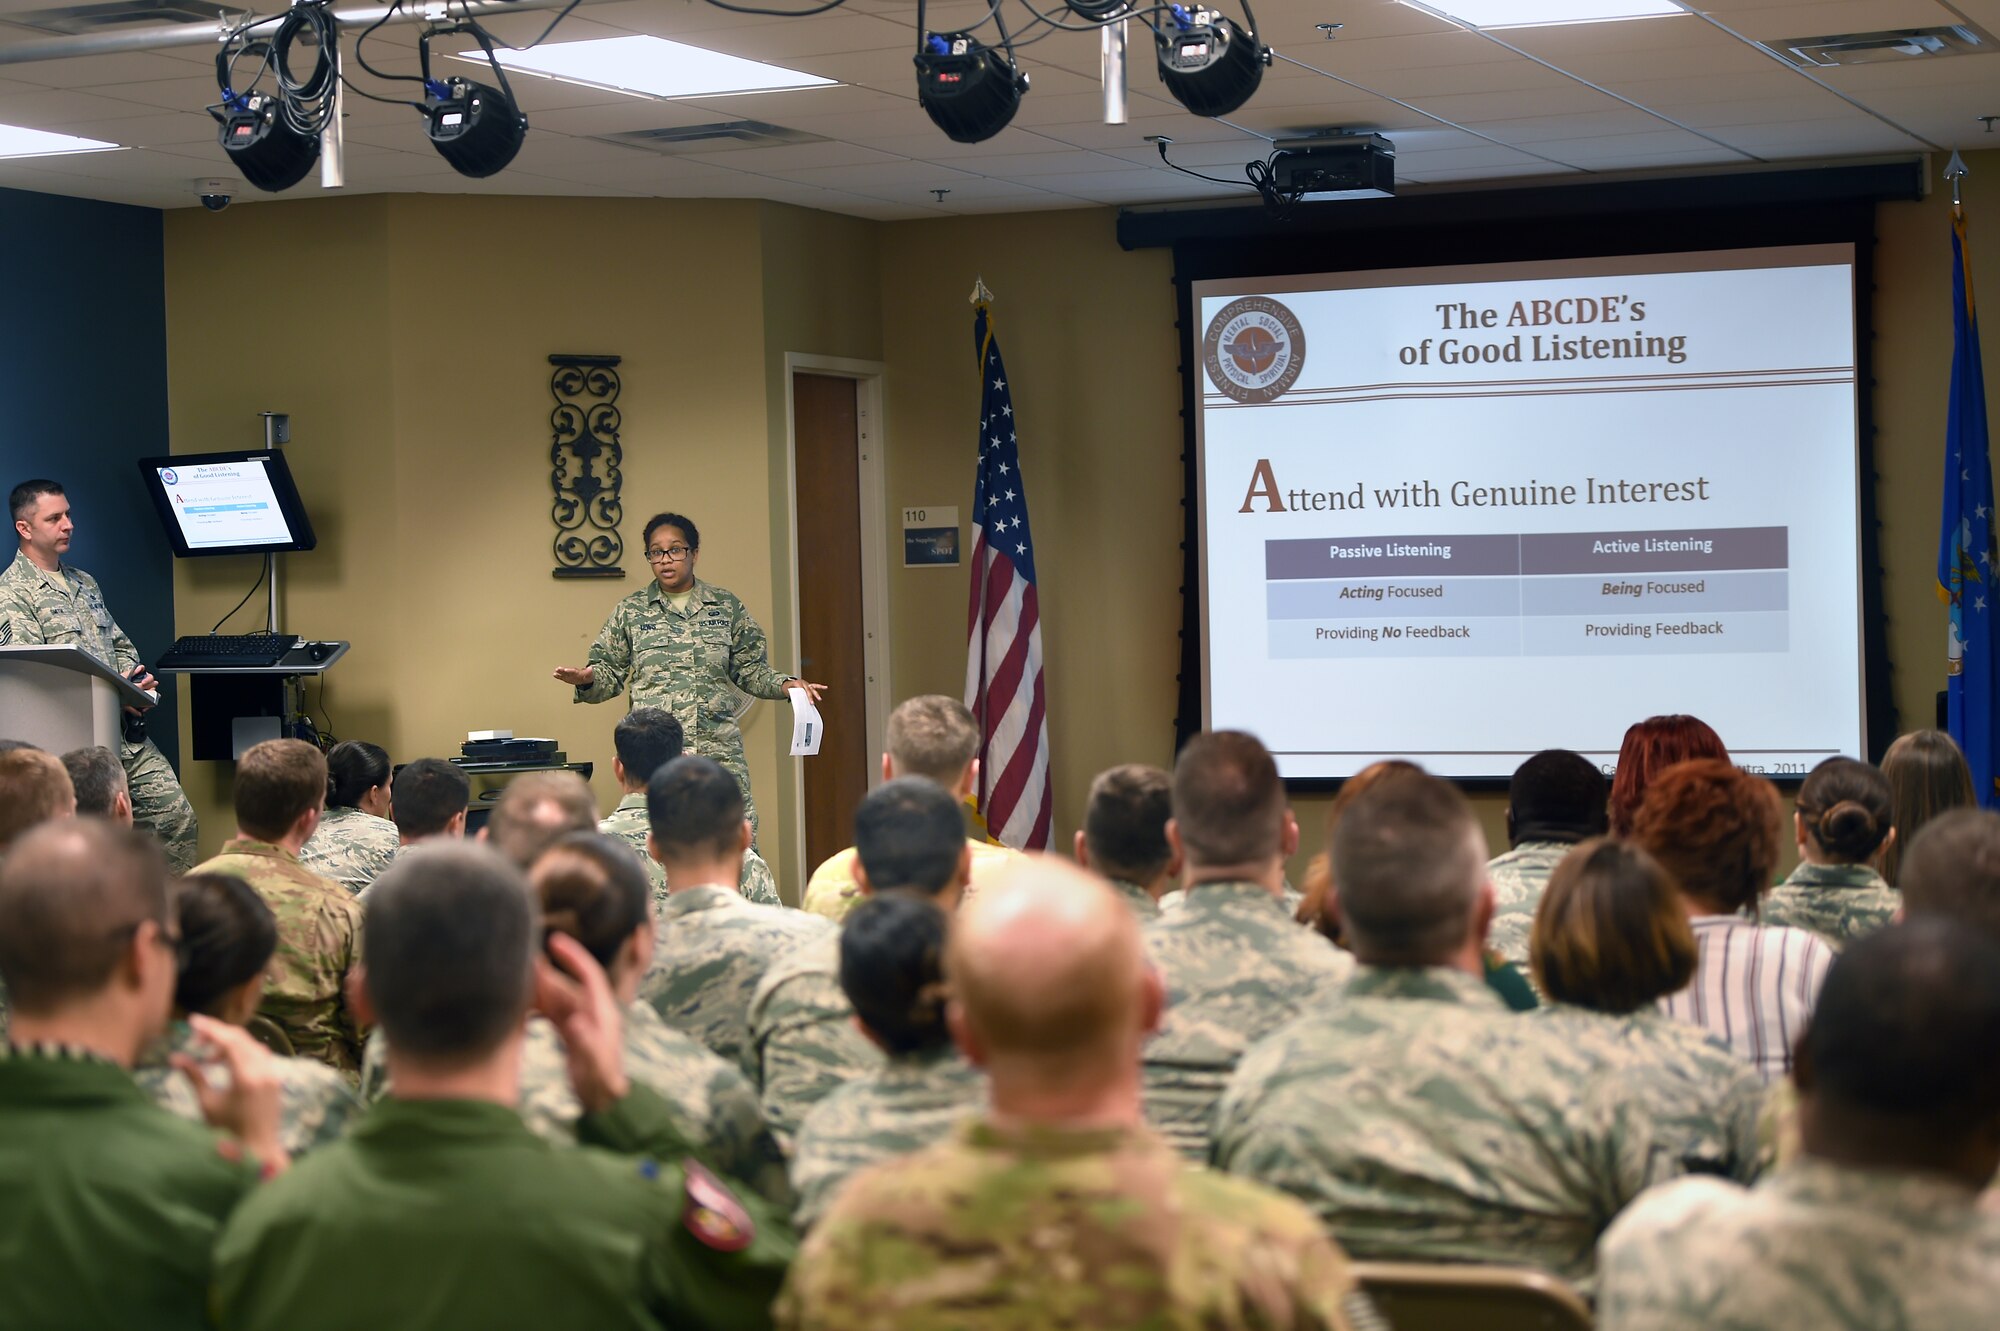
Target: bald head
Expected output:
[1049,980]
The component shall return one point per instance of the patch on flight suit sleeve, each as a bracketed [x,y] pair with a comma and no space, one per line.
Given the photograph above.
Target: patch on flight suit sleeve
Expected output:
[6,631]
[712,1214]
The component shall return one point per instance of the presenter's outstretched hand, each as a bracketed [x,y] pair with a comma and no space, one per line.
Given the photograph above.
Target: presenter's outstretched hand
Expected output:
[580,677]
[813,691]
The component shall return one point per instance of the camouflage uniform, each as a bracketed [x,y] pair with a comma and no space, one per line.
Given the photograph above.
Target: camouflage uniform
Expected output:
[351,847]
[909,1102]
[1062,1228]
[1291,898]
[1424,1122]
[317,1104]
[1138,898]
[711,948]
[35,610]
[686,662]
[803,1042]
[1814,1247]
[708,1100]
[1839,902]
[1236,968]
[629,822]
[1518,878]
[319,942]
[831,892]
[1704,1098]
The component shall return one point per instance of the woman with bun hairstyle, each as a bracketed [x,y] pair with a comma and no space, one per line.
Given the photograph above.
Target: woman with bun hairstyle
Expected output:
[1842,823]
[355,841]
[228,936]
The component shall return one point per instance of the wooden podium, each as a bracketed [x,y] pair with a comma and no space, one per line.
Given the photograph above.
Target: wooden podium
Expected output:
[63,698]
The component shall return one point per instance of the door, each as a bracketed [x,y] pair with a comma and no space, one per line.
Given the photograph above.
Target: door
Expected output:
[827,440]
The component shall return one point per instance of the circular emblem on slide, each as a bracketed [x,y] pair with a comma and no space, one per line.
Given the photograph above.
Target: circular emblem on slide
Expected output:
[1254,349]
[170,476]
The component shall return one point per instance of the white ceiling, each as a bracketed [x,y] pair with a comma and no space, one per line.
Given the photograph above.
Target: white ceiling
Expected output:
[1685,91]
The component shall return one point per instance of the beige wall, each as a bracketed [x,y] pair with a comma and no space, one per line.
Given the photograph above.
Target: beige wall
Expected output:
[421,441]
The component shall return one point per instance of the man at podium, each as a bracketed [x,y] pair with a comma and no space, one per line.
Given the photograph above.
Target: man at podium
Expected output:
[44,601]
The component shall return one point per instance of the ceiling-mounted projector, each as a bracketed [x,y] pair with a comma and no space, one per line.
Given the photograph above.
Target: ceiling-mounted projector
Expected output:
[1353,166]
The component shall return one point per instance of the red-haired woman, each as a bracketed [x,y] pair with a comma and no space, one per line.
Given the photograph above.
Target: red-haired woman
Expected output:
[1651,747]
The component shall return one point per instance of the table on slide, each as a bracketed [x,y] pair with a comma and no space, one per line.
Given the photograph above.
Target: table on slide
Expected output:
[1591,593]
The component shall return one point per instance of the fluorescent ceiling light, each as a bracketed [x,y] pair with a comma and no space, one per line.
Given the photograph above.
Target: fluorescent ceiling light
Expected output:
[650,67]
[18,142]
[1531,13]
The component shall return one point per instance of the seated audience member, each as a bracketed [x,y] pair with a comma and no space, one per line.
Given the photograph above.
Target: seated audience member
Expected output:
[34,788]
[713,945]
[1953,871]
[442,1208]
[431,797]
[1876,1225]
[355,839]
[280,786]
[1057,1207]
[1928,777]
[591,887]
[227,936]
[1842,824]
[1556,799]
[1315,908]
[1235,965]
[647,739]
[1410,1110]
[1715,829]
[536,810]
[909,836]
[936,738]
[1610,941]
[1649,748]
[111,1207]
[102,788]
[1124,835]
[892,971]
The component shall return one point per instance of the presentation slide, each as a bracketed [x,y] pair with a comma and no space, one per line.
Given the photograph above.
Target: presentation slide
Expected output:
[1459,515]
[225,503]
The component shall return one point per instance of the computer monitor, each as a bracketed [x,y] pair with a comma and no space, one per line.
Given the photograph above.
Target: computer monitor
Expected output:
[238,503]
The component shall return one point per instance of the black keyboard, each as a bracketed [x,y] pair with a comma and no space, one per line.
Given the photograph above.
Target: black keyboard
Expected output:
[210,650]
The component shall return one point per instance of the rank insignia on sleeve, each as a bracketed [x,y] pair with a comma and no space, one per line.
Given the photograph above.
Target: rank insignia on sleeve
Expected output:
[712,1214]
[6,631]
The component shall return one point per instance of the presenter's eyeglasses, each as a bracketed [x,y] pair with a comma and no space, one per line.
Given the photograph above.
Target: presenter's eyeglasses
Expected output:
[672,552]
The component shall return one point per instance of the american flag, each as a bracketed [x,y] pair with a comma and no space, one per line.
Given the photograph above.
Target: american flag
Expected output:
[1003,658]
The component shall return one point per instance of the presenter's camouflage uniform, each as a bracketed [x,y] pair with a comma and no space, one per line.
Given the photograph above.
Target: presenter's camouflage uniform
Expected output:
[351,847]
[1839,902]
[1518,878]
[319,942]
[1705,1100]
[910,1102]
[1422,1121]
[36,610]
[998,1229]
[629,823]
[686,662]
[803,1043]
[1814,1247]
[317,1103]
[711,949]
[1236,968]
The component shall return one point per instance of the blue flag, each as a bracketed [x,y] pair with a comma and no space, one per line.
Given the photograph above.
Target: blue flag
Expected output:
[1966,550]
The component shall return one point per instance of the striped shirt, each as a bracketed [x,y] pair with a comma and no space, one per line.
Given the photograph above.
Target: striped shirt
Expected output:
[1754,986]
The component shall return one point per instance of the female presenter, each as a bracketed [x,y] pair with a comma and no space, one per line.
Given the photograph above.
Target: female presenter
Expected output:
[680,644]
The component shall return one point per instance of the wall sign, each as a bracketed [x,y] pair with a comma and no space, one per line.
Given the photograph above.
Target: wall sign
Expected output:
[930,537]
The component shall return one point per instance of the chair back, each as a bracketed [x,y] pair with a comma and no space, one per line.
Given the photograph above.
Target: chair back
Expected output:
[1414,1296]
[270,1034]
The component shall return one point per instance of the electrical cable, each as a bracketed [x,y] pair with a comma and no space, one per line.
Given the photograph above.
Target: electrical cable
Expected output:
[369,31]
[309,103]
[778,13]
[262,573]
[1162,143]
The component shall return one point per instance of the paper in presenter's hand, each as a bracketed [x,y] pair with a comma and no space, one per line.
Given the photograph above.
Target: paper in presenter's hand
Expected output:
[807,728]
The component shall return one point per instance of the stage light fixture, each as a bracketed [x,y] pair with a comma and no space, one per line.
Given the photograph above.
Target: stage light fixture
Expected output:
[1210,63]
[970,91]
[475,128]
[261,144]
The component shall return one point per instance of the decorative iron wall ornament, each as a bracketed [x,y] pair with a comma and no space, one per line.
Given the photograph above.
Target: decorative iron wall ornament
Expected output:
[586,467]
